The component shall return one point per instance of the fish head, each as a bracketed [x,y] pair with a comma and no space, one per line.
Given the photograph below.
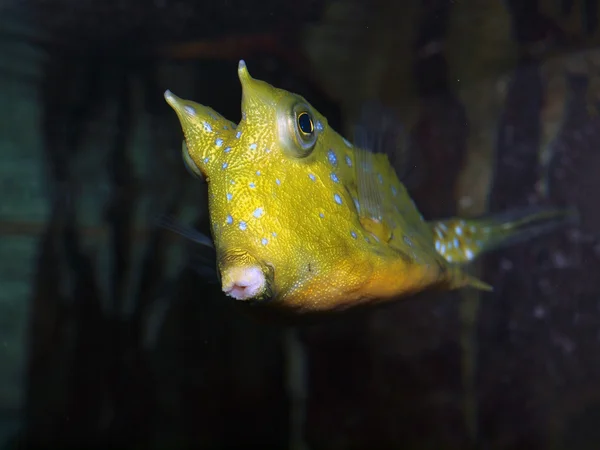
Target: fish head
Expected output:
[279,205]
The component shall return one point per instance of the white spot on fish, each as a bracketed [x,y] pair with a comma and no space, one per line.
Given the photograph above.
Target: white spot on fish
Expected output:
[229,196]
[252,185]
[407,241]
[219,142]
[356,204]
[332,158]
[469,253]
[225,127]
[458,230]
[253,146]
[348,161]
[238,134]
[437,246]
[380,178]
[337,199]
[442,249]
[229,220]
[190,110]
[243,225]
[207,127]
[312,177]
[224,166]
[456,243]
[334,178]
[232,182]
[267,150]
[321,215]
[258,212]
[258,173]
[264,241]
[278,181]
[227,149]
[348,144]
[206,160]
[353,234]
[274,234]
[394,191]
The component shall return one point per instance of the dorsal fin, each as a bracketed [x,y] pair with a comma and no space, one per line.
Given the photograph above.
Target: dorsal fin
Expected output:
[386,134]
[379,139]
[369,195]
[372,211]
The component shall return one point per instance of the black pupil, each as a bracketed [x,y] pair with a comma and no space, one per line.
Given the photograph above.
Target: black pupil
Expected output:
[305,123]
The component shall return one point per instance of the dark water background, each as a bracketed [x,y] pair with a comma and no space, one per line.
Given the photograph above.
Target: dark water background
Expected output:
[112,339]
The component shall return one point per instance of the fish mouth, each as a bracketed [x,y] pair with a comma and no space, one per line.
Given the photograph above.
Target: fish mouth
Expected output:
[244,283]
[243,277]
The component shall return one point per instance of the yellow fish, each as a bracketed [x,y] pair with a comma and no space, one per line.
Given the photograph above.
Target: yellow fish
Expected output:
[308,222]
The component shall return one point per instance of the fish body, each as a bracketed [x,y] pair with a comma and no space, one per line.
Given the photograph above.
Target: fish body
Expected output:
[306,221]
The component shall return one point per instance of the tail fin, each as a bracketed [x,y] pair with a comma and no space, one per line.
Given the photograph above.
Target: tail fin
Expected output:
[463,240]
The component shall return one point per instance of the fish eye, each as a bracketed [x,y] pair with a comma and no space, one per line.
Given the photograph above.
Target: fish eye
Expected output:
[298,127]
[303,129]
[305,123]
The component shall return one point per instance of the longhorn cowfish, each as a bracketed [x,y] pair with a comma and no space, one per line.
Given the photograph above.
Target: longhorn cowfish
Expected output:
[304,220]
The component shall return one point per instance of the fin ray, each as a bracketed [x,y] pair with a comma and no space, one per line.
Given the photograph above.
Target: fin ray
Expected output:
[387,134]
[369,195]
[175,226]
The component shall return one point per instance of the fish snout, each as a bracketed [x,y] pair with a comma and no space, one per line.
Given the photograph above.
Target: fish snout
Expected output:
[243,278]
[244,283]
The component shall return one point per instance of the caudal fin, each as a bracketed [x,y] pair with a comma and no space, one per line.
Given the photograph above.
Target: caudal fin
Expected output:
[463,240]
